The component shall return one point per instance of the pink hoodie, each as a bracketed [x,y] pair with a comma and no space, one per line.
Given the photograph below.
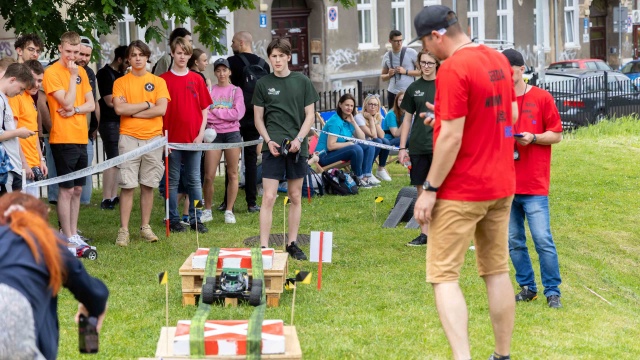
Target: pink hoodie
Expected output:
[227,109]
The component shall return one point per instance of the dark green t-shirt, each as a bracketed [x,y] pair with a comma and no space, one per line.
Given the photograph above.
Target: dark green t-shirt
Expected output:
[284,100]
[415,97]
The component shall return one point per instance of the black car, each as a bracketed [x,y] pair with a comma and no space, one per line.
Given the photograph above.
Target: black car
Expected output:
[585,97]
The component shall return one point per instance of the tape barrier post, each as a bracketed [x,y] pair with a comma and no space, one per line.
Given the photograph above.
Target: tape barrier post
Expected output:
[359,141]
[166,183]
[254,328]
[196,330]
[212,146]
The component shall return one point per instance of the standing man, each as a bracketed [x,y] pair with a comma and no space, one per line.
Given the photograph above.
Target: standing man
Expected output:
[70,100]
[398,66]
[538,127]
[283,109]
[28,47]
[242,59]
[140,98]
[109,125]
[14,80]
[185,121]
[166,61]
[470,186]
[26,115]
[84,57]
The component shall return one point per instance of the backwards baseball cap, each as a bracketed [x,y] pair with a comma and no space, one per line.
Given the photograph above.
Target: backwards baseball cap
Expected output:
[221,61]
[514,57]
[432,18]
[86,41]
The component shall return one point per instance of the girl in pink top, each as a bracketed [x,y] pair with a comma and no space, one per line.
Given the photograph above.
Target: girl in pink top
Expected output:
[224,116]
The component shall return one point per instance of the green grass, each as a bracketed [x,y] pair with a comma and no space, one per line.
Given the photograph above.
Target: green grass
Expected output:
[374,303]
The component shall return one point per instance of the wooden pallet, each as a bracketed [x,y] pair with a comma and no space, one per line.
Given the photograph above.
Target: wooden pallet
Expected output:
[274,280]
[291,343]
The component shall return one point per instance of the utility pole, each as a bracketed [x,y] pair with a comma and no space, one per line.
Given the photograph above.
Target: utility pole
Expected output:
[620,22]
[540,36]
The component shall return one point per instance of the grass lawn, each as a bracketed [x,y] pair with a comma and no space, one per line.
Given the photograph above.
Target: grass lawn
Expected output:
[375,303]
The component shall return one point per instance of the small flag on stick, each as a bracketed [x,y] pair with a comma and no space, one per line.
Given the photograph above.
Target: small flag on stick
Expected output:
[379,199]
[163,278]
[290,284]
[286,200]
[198,204]
[304,277]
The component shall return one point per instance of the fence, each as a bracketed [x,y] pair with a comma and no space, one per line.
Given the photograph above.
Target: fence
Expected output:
[329,99]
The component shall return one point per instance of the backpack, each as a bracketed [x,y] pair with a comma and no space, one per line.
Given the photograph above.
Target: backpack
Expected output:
[338,183]
[404,50]
[313,181]
[251,74]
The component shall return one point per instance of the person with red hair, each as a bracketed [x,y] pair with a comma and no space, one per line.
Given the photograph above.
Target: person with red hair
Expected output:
[36,262]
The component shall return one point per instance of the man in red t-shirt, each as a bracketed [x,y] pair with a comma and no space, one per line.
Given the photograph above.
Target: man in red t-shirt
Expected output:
[538,127]
[470,186]
[185,121]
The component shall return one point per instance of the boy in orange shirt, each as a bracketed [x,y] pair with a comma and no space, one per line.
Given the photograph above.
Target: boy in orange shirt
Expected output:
[70,98]
[26,115]
[140,98]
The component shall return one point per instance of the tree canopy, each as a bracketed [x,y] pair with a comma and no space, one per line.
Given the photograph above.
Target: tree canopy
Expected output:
[51,18]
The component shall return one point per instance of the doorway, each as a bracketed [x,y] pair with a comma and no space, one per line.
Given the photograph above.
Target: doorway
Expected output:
[291,24]
[598,37]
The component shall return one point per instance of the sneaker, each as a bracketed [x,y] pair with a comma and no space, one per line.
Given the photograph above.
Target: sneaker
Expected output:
[554,301]
[229,218]
[222,207]
[177,227]
[106,204]
[295,252]
[147,234]
[383,174]
[115,201]
[253,208]
[76,240]
[526,295]
[418,241]
[185,220]
[495,356]
[123,237]
[206,216]
[364,184]
[374,180]
[201,228]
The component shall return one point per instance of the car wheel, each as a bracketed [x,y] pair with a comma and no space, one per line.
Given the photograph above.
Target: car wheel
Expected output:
[208,290]
[90,254]
[255,297]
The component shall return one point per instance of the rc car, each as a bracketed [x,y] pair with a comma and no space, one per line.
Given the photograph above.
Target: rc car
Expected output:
[81,249]
[234,283]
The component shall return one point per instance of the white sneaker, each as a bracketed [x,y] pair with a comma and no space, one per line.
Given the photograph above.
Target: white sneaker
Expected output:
[229,218]
[77,240]
[372,183]
[374,180]
[206,216]
[383,174]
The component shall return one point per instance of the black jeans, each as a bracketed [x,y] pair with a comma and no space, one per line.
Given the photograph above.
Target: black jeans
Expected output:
[249,133]
[391,97]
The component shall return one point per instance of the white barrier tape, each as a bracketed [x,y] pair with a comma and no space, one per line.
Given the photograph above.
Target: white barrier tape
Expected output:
[212,146]
[359,141]
[156,144]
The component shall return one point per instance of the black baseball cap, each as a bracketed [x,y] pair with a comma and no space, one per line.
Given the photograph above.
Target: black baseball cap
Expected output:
[432,18]
[221,61]
[514,57]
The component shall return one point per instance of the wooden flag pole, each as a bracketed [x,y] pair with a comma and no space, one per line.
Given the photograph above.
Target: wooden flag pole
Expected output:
[284,223]
[320,251]
[166,182]
[293,302]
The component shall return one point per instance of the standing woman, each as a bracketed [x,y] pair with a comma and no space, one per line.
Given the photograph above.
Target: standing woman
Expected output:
[198,63]
[224,116]
[369,121]
[338,149]
[420,143]
[393,121]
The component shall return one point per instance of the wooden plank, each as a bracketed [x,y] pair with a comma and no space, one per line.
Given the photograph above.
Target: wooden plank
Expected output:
[273,300]
[291,344]
[231,302]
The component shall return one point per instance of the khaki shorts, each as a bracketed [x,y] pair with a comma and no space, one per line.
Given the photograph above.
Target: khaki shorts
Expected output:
[453,226]
[146,169]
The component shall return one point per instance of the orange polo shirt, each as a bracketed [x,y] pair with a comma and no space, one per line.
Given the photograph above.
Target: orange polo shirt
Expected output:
[138,89]
[26,114]
[74,129]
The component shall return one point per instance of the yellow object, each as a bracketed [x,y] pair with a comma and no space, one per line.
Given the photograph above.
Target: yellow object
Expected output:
[303,277]
[286,200]
[163,277]
[197,204]
[379,199]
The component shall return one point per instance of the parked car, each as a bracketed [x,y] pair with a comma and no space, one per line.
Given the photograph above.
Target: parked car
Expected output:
[583,97]
[632,70]
[590,64]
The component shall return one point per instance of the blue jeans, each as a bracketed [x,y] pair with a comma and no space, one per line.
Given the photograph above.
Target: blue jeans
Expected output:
[355,154]
[191,161]
[536,210]
[395,141]
[85,197]
[384,154]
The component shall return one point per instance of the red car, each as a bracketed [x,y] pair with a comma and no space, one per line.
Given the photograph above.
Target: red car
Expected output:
[589,64]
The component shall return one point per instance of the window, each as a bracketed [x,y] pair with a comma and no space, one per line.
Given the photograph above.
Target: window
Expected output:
[571,23]
[505,21]
[545,26]
[225,38]
[475,19]
[128,30]
[431,2]
[367,25]
[401,18]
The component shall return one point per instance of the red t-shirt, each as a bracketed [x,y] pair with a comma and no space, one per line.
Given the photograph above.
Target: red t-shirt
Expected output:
[538,113]
[476,82]
[189,96]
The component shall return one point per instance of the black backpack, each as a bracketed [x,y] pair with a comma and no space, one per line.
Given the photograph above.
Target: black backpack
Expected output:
[336,182]
[313,181]
[251,74]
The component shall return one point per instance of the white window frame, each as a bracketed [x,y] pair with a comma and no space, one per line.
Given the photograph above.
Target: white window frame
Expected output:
[127,19]
[228,16]
[479,15]
[372,7]
[508,13]
[432,2]
[545,26]
[404,4]
[573,10]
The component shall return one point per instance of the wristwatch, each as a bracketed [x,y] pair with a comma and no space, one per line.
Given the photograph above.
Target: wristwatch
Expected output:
[76,110]
[427,187]
[301,139]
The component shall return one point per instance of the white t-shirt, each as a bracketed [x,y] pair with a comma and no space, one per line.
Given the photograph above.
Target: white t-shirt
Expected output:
[11,146]
[400,82]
